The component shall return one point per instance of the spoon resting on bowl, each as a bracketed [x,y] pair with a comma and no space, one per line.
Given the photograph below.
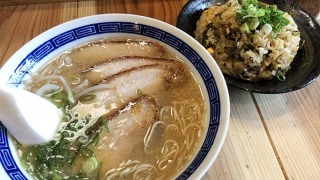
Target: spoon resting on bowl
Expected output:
[30,118]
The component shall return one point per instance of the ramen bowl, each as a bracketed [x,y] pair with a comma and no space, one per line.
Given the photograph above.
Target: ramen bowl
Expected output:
[57,40]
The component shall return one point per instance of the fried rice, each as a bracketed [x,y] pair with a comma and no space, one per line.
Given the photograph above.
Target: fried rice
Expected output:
[254,56]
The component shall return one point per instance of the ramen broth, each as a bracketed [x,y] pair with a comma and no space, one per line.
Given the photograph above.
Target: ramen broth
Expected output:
[131,110]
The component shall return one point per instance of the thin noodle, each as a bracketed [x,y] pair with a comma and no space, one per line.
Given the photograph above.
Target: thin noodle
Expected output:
[93,88]
[190,140]
[182,110]
[168,152]
[160,162]
[173,112]
[148,166]
[147,134]
[187,142]
[190,125]
[182,157]
[45,88]
[82,85]
[150,134]
[167,158]
[163,109]
[44,71]
[126,171]
[114,174]
[143,168]
[171,153]
[133,168]
[64,82]
[171,126]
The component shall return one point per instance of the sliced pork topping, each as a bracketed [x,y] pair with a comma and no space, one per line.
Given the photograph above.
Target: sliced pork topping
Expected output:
[102,51]
[125,131]
[120,89]
[110,67]
[135,82]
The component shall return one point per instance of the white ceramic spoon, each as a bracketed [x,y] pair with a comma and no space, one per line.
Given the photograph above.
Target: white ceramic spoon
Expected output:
[30,118]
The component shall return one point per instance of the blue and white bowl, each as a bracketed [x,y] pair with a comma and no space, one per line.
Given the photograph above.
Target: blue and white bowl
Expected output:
[53,42]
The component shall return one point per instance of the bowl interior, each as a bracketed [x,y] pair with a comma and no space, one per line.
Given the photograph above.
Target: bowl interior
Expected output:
[56,40]
[305,67]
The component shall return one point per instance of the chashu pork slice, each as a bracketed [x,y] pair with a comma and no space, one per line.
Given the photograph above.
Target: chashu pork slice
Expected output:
[126,130]
[102,51]
[110,67]
[144,80]
[129,85]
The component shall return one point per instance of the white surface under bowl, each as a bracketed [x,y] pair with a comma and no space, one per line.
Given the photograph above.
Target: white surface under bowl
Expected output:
[53,42]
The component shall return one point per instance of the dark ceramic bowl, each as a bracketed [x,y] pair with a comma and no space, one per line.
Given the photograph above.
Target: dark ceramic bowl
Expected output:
[305,67]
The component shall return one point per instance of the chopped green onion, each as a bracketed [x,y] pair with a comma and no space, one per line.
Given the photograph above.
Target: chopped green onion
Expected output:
[70,127]
[105,124]
[76,153]
[60,99]
[83,139]
[139,92]
[87,97]
[87,118]
[254,15]
[254,23]
[47,158]
[86,152]
[64,134]
[260,13]
[245,27]
[25,157]
[56,175]
[281,76]
[90,165]
[95,139]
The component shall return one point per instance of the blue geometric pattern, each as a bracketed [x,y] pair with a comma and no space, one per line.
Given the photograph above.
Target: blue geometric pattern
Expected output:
[188,52]
[172,41]
[64,38]
[6,158]
[46,48]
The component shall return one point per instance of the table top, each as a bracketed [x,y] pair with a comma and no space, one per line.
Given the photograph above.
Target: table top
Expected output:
[269,137]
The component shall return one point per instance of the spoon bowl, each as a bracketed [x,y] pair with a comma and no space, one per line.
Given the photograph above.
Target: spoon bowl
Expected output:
[30,118]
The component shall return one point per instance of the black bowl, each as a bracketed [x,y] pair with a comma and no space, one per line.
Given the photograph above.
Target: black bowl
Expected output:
[305,67]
